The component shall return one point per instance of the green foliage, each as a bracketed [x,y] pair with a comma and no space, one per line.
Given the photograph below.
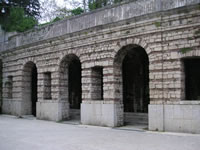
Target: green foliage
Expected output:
[190,38]
[127,32]
[30,7]
[95,4]
[157,24]
[185,50]
[18,21]
[196,35]
[65,13]
[199,6]
[77,11]
[197,32]
[117,1]
[56,19]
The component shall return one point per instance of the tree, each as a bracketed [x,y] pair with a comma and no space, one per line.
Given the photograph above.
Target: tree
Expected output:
[94,4]
[31,7]
[48,10]
[19,15]
[18,21]
[51,12]
[77,11]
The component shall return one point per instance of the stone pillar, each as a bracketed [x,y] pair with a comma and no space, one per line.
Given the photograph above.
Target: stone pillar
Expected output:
[101,112]
[56,108]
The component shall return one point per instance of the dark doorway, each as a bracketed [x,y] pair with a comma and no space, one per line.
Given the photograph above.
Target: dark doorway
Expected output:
[136,81]
[135,76]
[192,78]
[29,88]
[74,88]
[75,84]
[70,85]
[34,89]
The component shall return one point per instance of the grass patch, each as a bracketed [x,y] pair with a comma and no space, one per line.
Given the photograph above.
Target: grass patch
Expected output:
[197,32]
[190,38]
[157,24]
[185,50]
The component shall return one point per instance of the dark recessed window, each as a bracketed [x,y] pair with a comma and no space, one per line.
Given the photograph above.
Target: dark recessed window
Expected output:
[97,83]
[47,85]
[9,87]
[192,79]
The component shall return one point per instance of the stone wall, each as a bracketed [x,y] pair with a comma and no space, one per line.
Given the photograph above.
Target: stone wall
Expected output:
[107,15]
[164,35]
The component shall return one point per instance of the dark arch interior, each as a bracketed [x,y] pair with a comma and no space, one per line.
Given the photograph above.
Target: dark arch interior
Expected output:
[34,89]
[74,84]
[135,72]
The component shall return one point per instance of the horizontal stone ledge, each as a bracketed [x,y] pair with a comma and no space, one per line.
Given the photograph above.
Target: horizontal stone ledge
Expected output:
[100,102]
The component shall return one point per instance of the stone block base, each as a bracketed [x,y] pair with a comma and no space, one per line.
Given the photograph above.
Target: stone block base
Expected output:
[102,113]
[175,118]
[12,107]
[52,110]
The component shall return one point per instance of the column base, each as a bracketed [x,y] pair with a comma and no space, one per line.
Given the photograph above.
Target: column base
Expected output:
[12,107]
[52,110]
[175,118]
[102,113]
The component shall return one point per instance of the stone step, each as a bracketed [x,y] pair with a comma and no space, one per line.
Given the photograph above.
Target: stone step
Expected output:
[136,114]
[136,118]
[75,114]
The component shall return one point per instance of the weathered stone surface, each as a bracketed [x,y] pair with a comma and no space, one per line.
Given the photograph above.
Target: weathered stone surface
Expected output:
[176,118]
[99,39]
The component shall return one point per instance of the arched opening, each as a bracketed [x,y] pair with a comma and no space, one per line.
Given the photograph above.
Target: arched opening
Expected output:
[75,84]
[132,66]
[70,84]
[30,88]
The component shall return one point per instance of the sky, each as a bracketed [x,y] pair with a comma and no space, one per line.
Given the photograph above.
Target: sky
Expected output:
[60,2]
[47,15]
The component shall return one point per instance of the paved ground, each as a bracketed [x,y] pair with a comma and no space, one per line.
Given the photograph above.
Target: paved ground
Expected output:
[26,134]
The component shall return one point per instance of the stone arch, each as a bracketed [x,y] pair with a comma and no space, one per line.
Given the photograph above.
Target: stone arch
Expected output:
[131,78]
[68,54]
[132,41]
[29,88]
[121,50]
[70,82]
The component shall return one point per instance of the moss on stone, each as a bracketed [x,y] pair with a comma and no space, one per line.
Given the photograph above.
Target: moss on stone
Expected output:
[185,50]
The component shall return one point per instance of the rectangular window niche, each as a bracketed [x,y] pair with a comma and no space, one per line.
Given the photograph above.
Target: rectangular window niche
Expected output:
[47,85]
[192,78]
[97,83]
[9,88]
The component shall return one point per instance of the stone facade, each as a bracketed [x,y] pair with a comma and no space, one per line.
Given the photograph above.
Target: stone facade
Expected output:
[168,31]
